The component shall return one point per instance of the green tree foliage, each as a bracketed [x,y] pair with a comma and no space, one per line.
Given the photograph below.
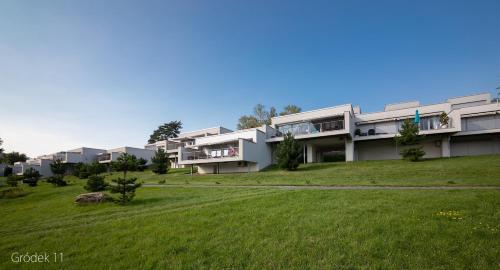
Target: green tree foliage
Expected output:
[58,168]
[1,149]
[141,164]
[125,189]
[125,163]
[96,183]
[123,186]
[160,162]
[261,116]
[410,140]
[247,121]
[13,157]
[290,109]
[31,177]
[83,171]
[165,131]
[13,180]
[288,153]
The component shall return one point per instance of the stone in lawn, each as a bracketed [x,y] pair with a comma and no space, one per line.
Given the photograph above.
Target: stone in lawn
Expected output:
[94,197]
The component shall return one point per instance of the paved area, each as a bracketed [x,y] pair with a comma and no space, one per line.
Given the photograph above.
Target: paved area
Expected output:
[332,187]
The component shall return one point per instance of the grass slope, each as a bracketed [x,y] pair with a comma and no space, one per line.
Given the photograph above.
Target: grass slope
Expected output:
[478,170]
[256,228]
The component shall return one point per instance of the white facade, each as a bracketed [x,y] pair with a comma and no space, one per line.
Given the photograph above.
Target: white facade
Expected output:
[171,146]
[113,154]
[238,151]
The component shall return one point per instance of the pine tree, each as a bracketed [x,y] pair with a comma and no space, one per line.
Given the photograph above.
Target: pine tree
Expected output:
[123,186]
[160,162]
[288,153]
[410,140]
[58,168]
[96,183]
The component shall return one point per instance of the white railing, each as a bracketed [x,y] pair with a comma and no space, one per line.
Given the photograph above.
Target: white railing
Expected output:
[310,128]
[210,153]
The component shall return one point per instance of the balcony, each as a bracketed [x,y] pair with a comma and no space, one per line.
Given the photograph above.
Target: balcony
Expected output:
[173,146]
[211,154]
[104,157]
[306,128]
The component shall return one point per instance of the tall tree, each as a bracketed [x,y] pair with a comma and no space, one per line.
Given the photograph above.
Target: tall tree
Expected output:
[248,121]
[125,163]
[260,113]
[410,140]
[290,109]
[1,149]
[14,157]
[165,131]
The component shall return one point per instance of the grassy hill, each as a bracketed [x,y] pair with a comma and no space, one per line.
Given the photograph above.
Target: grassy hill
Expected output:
[480,170]
[188,227]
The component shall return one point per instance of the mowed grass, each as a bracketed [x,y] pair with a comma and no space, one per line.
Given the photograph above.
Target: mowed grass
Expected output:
[464,171]
[236,228]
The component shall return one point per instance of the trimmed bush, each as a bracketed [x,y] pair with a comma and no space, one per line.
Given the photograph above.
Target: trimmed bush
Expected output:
[31,177]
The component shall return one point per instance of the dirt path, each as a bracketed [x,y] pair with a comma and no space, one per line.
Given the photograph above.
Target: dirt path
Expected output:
[332,187]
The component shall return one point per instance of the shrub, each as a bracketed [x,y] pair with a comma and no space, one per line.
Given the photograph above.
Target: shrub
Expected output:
[160,161]
[288,153]
[31,177]
[96,183]
[163,181]
[125,188]
[13,192]
[57,180]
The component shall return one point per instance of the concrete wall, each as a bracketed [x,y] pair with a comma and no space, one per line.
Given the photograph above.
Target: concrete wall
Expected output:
[475,145]
[386,149]
[228,167]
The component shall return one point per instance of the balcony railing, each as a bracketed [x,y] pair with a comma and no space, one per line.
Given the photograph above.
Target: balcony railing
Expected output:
[210,154]
[104,157]
[310,128]
[173,146]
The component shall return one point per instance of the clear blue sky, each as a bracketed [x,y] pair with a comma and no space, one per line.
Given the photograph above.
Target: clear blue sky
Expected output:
[107,73]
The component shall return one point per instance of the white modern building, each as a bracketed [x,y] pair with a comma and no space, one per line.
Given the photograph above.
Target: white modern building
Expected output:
[238,151]
[344,132]
[172,145]
[41,165]
[110,155]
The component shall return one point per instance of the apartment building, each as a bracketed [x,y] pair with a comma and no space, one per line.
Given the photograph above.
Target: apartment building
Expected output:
[237,151]
[107,156]
[345,133]
[172,145]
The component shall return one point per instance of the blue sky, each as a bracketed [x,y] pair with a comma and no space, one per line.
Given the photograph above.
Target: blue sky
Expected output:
[107,73]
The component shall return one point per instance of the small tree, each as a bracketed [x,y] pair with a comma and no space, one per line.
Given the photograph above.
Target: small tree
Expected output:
[160,162]
[141,164]
[125,187]
[31,177]
[288,153]
[410,140]
[13,180]
[96,183]
[444,119]
[58,168]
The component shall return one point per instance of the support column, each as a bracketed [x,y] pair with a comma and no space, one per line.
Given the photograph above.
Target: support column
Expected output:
[311,153]
[445,146]
[349,150]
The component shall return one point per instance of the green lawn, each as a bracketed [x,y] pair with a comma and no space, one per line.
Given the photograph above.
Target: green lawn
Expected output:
[235,228]
[480,170]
